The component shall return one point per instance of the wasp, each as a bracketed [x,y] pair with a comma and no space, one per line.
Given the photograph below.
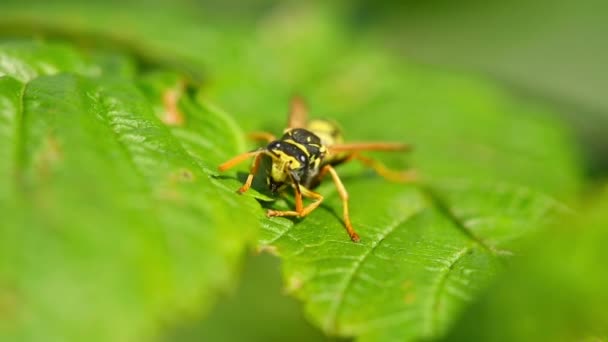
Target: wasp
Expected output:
[306,153]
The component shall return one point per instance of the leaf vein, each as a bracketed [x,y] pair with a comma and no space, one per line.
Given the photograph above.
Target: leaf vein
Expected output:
[331,321]
[435,302]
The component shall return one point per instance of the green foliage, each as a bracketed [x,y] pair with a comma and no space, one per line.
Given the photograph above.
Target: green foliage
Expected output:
[117,222]
[426,251]
[112,223]
[416,267]
[259,309]
[556,293]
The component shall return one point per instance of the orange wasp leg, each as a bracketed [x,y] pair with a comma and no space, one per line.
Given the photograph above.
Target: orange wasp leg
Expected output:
[238,159]
[378,167]
[369,146]
[300,210]
[318,199]
[261,136]
[381,169]
[254,167]
[252,172]
[299,202]
[344,196]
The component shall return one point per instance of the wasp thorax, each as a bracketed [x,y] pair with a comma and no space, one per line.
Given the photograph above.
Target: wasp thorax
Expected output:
[301,136]
[328,131]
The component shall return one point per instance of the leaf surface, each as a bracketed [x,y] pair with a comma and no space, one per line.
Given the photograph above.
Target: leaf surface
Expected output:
[427,250]
[112,225]
[556,293]
[492,166]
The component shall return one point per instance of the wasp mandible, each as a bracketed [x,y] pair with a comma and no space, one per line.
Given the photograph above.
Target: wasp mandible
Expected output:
[305,154]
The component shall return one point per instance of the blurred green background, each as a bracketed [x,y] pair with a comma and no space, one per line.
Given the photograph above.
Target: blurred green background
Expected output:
[553,52]
[549,50]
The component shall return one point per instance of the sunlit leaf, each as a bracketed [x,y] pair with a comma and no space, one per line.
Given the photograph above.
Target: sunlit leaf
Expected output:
[427,250]
[493,168]
[110,223]
[557,293]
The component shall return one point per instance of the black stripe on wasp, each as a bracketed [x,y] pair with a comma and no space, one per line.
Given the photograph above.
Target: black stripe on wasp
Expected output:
[305,154]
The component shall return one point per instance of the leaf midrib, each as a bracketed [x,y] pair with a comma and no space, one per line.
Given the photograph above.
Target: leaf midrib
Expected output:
[334,311]
[457,223]
[439,284]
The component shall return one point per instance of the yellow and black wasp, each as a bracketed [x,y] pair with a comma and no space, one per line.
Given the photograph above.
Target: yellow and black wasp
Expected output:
[305,154]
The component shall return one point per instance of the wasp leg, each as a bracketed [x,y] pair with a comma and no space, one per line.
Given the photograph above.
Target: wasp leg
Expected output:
[344,196]
[252,172]
[392,175]
[369,146]
[300,211]
[299,202]
[237,160]
[261,136]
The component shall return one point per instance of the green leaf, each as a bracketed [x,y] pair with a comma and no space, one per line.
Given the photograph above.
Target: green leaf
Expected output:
[418,264]
[25,61]
[557,293]
[258,302]
[112,224]
[491,163]
[426,251]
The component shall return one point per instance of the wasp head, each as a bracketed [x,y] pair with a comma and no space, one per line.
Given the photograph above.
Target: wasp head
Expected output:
[296,158]
[289,162]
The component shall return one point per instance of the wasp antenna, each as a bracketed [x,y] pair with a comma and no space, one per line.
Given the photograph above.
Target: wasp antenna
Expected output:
[298,113]
[238,159]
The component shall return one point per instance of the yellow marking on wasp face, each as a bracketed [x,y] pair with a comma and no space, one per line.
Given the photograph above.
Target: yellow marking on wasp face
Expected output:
[316,163]
[282,161]
[277,173]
